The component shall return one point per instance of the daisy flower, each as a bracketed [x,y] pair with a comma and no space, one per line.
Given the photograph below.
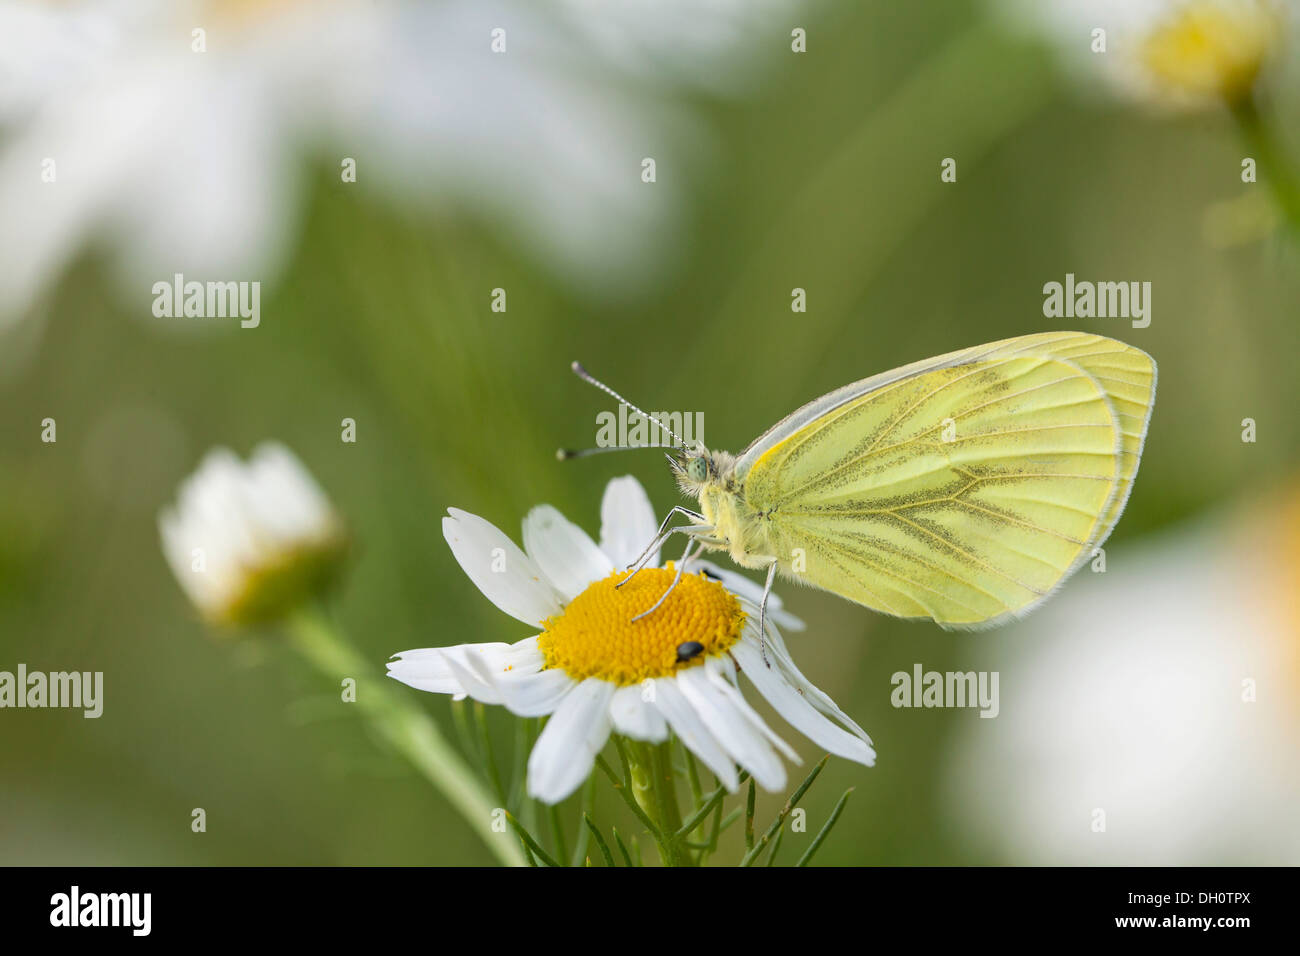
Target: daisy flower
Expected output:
[594,671]
[1159,699]
[249,542]
[255,543]
[174,160]
[1173,54]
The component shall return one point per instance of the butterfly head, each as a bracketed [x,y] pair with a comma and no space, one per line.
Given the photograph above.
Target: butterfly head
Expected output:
[696,468]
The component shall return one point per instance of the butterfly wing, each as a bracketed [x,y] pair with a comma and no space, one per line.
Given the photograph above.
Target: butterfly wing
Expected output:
[962,489]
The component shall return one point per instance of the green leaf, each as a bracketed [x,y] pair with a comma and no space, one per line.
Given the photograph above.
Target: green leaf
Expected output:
[825,831]
[776,846]
[600,840]
[529,842]
[749,817]
[588,806]
[790,804]
[625,791]
[710,802]
[627,857]
[731,818]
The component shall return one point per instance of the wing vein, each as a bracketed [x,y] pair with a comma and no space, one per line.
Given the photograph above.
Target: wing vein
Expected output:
[998,571]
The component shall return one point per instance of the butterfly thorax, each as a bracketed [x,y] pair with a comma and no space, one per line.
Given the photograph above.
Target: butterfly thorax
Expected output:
[737,527]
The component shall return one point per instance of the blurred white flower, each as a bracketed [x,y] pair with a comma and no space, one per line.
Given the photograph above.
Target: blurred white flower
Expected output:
[1131,696]
[725,43]
[250,542]
[1174,54]
[182,161]
[593,669]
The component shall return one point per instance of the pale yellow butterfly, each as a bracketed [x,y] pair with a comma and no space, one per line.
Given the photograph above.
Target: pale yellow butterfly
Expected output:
[963,489]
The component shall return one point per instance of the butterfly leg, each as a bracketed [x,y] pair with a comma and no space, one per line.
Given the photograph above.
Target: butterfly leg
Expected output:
[660,537]
[681,566]
[762,612]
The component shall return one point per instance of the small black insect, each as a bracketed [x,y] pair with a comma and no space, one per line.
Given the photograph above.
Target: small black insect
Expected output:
[688,650]
[711,576]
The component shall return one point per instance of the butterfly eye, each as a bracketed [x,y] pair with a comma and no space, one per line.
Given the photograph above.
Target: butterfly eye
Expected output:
[697,469]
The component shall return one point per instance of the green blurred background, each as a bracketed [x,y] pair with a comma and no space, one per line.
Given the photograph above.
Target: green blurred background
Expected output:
[824,175]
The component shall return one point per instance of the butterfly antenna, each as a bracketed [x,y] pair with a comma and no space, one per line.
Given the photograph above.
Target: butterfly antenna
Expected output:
[586,376]
[564,454]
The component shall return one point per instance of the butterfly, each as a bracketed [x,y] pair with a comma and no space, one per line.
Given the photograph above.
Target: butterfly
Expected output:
[962,489]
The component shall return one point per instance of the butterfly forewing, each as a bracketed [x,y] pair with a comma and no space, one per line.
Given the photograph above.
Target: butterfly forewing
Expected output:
[963,489]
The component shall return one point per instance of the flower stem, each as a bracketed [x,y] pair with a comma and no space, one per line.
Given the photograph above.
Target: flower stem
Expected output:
[403,725]
[655,787]
[1272,159]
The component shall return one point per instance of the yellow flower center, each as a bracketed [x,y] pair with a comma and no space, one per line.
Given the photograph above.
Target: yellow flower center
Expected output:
[595,635]
[1213,48]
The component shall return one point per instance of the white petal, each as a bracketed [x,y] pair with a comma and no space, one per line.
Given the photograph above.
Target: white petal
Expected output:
[212,506]
[524,655]
[635,718]
[475,666]
[722,673]
[200,586]
[434,685]
[535,694]
[510,674]
[807,689]
[566,750]
[627,522]
[284,498]
[429,669]
[786,700]
[733,729]
[519,588]
[694,733]
[564,551]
